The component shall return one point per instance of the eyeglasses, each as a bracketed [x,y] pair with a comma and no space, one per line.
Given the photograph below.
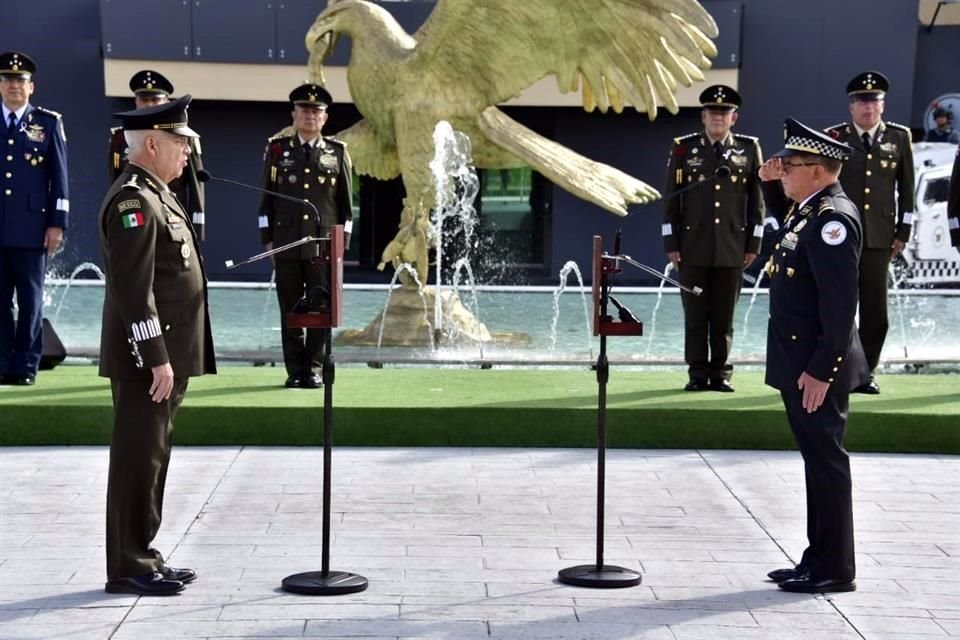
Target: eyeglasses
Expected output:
[790,165]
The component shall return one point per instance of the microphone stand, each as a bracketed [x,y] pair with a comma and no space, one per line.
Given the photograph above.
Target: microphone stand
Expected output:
[599,575]
[205,176]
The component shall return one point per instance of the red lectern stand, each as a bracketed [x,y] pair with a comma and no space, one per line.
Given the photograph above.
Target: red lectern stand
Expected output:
[600,575]
[326,582]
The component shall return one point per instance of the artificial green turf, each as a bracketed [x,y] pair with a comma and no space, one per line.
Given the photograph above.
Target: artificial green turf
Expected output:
[424,406]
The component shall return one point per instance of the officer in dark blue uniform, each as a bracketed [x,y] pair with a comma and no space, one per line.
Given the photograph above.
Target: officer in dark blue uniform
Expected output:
[33,214]
[814,355]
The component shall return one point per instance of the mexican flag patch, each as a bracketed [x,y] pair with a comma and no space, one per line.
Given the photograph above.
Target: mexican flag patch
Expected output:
[132,220]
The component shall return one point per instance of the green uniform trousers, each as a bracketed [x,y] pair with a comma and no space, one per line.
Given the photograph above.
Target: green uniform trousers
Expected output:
[708,320]
[874,267]
[139,456]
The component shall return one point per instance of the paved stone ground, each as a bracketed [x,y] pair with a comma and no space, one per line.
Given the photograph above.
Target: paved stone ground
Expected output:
[466,543]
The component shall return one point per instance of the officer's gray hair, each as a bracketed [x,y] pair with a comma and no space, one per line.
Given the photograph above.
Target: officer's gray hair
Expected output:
[135,139]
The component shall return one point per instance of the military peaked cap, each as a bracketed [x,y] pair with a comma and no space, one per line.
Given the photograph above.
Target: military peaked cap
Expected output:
[869,85]
[150,83]
[799,139]
[311,95]
[170,116]
[14,63]
[720,97]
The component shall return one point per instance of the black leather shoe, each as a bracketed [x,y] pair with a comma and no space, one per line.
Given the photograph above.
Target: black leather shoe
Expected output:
[809,584]
[311,381]
[696,384]
[186,576]
[871,388]
[782,575]
[23,381]
[293,382]
[721,385]
[149,584]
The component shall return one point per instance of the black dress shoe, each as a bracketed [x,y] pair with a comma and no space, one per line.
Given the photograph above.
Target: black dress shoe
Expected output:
[23,381]
[149,584]
[781,575]
[721,385]
[293,382]
[186,576]
[871,388]
[311,381]
[809,584]
[697,384]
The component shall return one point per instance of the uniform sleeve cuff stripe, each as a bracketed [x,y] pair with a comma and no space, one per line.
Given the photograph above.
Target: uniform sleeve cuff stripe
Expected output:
[145,329]
[264,222]
[667,230]
[908,217]
[198,217]
[955,223]
[758,231]
[63,205]
[348,226]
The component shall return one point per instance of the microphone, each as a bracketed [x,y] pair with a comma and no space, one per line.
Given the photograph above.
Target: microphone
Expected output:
[625,314]
[205,176]
[616,241]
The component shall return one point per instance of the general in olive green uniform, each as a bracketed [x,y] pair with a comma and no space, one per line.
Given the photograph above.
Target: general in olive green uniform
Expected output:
[879,178]
[150,88]
[306,166]
[154,313]
[715,230]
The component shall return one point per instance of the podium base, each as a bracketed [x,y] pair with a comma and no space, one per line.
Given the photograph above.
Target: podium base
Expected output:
[315,583]
[607,577]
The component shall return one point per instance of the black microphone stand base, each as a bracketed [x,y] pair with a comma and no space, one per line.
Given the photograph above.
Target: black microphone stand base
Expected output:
[607,576]
[318,583]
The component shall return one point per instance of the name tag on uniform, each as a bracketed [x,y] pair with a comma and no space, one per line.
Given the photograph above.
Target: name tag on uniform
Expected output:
[789,241]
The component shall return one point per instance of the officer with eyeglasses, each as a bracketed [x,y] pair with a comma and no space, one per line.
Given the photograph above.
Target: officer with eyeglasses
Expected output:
[814,356]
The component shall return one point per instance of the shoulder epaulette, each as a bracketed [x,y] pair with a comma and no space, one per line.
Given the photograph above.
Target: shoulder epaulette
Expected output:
[743,136]
[826,206]
[840,125]
[115,130]
[277,138]
[333,140]
[898,126]
[686,137]
[132,182]
[49,112]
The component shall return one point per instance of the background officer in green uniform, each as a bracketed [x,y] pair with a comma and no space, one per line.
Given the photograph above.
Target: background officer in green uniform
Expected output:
[713,232]
[814,356]
[151,88]
[878,177]
[34,207]
[155,336]
[305,165]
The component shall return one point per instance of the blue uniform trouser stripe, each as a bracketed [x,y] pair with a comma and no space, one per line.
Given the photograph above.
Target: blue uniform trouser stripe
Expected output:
[21,339]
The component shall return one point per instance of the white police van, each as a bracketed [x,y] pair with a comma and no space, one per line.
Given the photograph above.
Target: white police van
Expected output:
[928,257]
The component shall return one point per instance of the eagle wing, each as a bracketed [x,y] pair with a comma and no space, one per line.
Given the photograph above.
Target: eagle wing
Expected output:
[370,154]
[615,51]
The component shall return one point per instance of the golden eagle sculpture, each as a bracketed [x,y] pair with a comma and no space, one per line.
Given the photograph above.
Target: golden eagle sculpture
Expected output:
[471,55]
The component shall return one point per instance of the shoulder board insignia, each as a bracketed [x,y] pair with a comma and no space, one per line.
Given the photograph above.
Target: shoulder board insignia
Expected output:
[131,183]
[333,140]
[49,112]
[742,136]
[276,138]
[897,126]
[840,125]
[687,137]
[826,206]
[115,130]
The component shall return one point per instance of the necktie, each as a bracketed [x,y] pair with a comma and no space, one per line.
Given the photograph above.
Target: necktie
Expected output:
[718,150]
[866,140]
[12,127]
[306,150]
